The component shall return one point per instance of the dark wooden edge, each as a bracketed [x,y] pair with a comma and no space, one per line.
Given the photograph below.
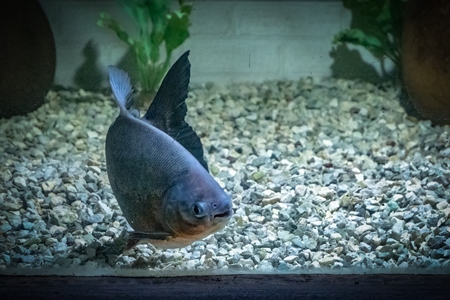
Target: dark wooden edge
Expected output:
[320,286]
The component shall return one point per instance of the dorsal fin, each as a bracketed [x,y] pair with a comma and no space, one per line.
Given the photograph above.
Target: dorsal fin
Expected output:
[168,109]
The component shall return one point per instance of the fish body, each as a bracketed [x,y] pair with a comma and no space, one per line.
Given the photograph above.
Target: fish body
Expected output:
[156,168]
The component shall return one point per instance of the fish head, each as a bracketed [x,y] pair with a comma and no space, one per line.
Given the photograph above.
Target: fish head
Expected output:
[196,206]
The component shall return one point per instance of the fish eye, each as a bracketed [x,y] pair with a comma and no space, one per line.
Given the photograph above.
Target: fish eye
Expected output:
[199,209]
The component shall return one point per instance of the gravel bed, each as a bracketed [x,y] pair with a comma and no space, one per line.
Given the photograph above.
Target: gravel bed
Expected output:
[325,175]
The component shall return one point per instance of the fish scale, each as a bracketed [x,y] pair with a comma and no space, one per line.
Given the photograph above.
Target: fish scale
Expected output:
[156,167]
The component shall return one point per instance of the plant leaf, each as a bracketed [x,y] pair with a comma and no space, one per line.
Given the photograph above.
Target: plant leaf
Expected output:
[177,30]
[358,37]
[158,10]
[185,7]
[137,10]
[106,21]
[166,26]
[367,8]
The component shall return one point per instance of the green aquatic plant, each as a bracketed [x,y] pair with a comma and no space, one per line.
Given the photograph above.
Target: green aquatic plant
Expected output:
[156,24]
[376,26]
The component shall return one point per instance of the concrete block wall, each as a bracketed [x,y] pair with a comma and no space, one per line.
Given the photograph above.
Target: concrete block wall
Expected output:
[230,40]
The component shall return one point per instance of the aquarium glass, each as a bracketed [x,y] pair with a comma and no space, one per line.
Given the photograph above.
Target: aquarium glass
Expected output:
[325,141]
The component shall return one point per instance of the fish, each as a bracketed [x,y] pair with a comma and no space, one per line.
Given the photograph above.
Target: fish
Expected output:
[156,166]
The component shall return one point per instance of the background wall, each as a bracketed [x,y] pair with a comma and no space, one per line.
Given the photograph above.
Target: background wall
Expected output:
[230,41]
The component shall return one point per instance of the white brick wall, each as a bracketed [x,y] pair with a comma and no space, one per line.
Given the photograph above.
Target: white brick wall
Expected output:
[230,40]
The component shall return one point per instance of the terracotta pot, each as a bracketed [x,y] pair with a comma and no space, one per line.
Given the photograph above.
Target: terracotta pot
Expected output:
[426,57]
[28,57]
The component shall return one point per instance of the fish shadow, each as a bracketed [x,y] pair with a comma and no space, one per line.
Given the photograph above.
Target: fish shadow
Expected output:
[88,75]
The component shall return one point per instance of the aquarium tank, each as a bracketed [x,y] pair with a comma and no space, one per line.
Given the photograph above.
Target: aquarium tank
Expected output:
[176,138]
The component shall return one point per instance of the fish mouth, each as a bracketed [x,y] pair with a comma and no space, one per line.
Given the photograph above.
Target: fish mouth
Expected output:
[225,215]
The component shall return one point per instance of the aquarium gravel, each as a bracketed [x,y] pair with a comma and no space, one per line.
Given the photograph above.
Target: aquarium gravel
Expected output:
[324,175]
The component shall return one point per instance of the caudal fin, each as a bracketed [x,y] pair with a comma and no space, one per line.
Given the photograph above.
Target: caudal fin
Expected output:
[121,87]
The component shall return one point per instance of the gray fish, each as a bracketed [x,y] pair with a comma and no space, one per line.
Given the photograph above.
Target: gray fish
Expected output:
[156,167]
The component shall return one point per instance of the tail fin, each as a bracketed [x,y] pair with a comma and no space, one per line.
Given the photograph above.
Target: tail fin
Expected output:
[121,87]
